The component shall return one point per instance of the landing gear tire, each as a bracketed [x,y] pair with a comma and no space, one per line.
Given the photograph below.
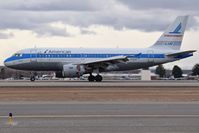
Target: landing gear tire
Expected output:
[91,78]
[98,78]
[32,78]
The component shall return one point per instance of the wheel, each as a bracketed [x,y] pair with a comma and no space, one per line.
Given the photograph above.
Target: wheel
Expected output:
[98,78]
[32,78]
[91,78]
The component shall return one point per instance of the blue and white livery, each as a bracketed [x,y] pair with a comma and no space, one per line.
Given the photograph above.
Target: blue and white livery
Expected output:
[74,62]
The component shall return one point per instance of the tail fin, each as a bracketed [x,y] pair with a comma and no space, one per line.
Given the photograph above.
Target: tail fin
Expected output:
[172,37]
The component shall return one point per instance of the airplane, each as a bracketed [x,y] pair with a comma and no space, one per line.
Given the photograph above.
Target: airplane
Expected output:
[75,62]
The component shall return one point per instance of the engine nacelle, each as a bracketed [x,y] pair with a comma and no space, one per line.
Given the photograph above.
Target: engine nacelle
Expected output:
[71,71]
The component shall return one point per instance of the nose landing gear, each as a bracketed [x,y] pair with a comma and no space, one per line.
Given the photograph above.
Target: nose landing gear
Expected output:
[32,78]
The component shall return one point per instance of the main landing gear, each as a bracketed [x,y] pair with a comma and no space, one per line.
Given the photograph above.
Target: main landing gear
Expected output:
[97,78]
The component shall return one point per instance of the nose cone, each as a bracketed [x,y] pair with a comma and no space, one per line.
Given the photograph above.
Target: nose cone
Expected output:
[6,62]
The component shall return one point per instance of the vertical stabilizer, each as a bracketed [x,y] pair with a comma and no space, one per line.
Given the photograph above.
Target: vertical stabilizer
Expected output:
[173,36]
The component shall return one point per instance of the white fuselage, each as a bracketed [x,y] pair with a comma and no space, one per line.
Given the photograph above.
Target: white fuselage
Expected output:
[53,59]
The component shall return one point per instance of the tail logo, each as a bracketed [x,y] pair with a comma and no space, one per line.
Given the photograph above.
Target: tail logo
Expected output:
[177,29]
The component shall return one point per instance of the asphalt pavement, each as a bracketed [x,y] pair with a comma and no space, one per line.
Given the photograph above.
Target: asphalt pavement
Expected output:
[106,83]
[100,117]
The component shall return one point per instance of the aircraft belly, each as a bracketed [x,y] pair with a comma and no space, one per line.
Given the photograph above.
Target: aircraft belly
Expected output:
[41,66]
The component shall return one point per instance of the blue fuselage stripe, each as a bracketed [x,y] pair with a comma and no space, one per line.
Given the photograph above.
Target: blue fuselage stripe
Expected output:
[39,56]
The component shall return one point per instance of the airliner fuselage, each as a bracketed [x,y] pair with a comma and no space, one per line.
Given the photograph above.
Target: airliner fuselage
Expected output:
[74,62]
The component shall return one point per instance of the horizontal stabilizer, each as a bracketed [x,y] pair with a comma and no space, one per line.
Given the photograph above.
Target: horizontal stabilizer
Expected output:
[181,53]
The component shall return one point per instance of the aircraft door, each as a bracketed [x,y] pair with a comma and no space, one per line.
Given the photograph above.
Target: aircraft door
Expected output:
[33,55]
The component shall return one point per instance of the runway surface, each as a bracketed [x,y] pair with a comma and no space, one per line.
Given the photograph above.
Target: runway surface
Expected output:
[101,117]
[107,83]
[106,107]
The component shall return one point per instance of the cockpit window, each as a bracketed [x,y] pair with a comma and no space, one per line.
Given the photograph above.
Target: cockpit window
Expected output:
[17,55]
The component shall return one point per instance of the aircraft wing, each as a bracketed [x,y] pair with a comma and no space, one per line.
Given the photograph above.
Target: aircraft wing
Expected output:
[105,62]
[181,53]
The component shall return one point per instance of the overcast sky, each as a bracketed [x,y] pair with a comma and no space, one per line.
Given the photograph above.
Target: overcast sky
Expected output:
[94,23]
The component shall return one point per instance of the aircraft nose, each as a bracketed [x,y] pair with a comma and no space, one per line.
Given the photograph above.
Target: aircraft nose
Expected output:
[6,62]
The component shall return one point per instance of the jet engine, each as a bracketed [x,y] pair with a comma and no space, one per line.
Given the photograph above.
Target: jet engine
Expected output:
[71,71]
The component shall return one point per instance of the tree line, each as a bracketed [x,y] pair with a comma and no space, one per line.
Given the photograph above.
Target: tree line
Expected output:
[176,71]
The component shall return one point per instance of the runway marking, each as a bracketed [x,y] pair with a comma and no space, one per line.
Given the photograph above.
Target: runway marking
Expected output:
[103,116]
